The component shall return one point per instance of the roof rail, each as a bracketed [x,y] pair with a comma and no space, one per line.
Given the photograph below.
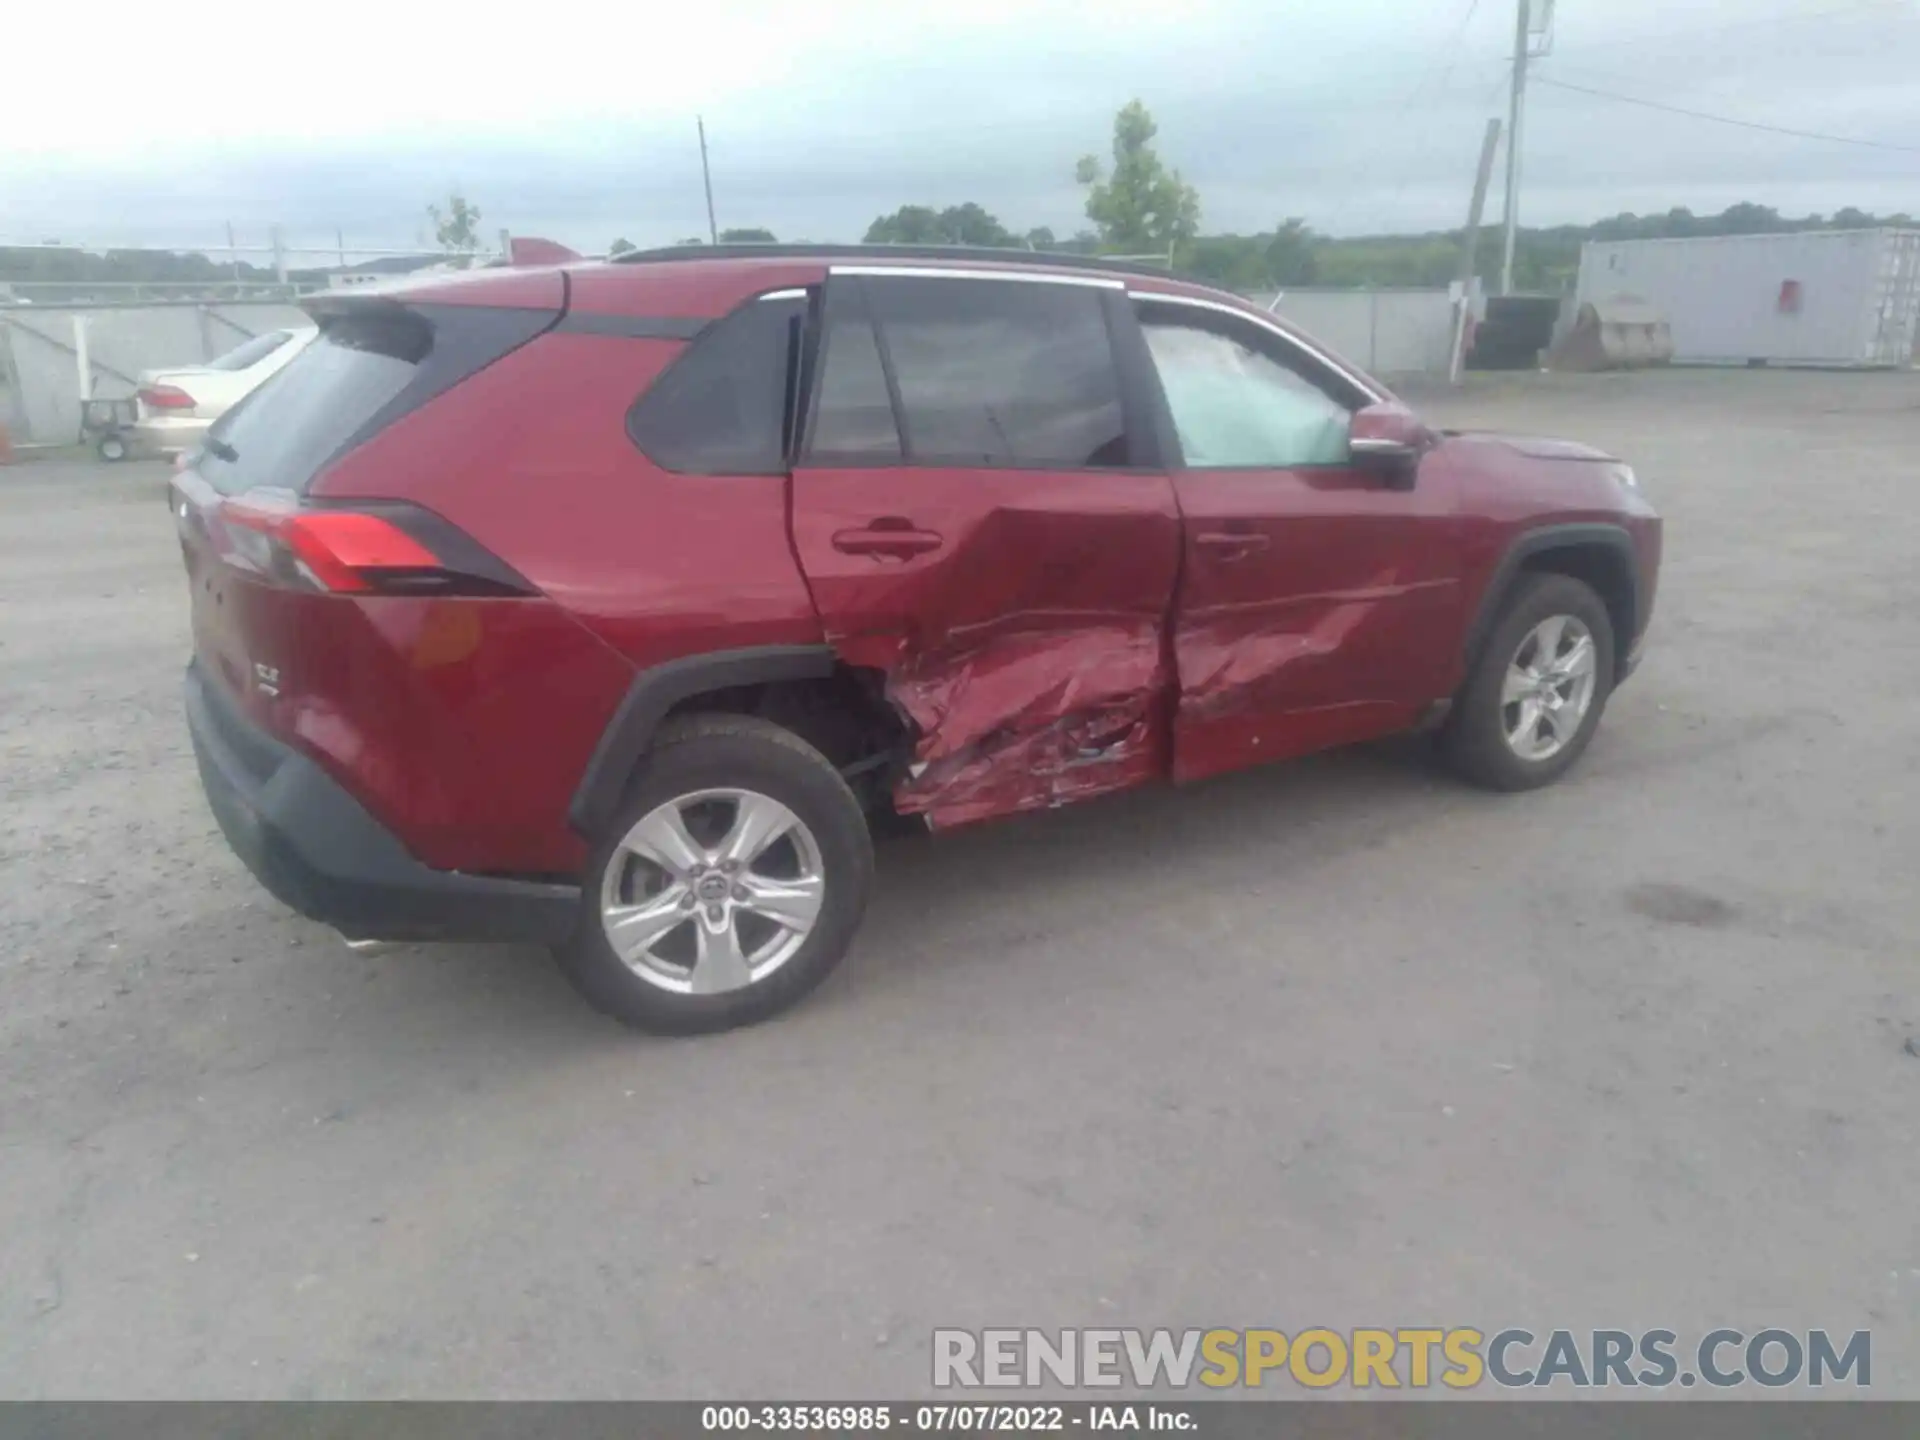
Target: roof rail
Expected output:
[1060,259]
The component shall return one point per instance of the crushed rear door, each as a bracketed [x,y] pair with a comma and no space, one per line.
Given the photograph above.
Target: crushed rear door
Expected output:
[971,528]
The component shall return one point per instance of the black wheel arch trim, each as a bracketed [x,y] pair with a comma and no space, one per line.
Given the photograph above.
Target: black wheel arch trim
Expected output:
[657,690]
[1558,537]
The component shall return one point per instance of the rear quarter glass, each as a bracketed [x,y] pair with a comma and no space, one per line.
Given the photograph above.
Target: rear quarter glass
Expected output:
[368,368]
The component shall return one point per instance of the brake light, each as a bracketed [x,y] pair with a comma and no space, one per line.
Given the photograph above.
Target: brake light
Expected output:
[385,550]
[165,397]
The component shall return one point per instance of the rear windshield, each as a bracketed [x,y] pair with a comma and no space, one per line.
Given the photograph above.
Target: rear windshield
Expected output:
[364,372]
[251,353]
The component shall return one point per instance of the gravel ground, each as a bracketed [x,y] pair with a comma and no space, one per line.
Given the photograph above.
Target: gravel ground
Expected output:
[1340,1043]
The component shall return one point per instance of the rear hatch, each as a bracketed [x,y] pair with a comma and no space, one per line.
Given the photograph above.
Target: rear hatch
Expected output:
[273,570]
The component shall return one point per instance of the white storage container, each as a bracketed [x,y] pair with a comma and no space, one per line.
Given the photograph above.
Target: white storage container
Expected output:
[1828,297]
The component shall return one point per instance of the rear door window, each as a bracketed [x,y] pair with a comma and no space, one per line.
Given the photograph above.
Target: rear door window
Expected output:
[723,406]
[996,372]
[854,419]
[367,369]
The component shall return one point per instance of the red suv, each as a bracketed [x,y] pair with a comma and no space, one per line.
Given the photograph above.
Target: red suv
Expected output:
[604,605]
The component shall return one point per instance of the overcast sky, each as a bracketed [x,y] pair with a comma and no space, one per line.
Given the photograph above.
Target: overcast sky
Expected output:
[577,122]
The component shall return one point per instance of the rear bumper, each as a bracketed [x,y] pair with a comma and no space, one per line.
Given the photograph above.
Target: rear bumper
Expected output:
[318,850]
[166,435]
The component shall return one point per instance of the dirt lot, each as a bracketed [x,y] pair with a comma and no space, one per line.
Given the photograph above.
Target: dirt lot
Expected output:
[1337,1044]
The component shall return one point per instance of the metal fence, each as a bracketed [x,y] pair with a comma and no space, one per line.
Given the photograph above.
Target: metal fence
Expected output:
[69,337]
[1389,332]
[54,358]
[224,272]
[64,341]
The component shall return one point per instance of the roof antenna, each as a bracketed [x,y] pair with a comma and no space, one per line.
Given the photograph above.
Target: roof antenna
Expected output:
[706,174]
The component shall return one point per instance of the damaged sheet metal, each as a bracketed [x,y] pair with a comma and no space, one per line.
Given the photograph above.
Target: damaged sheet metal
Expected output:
[1224,669]
[1034,720]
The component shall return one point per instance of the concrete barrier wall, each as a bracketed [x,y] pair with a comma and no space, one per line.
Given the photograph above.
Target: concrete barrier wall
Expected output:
[1389,332]
[43,407]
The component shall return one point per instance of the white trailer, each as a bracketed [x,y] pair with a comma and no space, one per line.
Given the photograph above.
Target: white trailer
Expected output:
[1847,298]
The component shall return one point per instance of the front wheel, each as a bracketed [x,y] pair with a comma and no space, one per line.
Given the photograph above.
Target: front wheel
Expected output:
[730,884]
[1534,698]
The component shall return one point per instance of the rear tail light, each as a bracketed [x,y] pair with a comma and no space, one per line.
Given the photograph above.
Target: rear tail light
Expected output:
[385,548]
[165,397]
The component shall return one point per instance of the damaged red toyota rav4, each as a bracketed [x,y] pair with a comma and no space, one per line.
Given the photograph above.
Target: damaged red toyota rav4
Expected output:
[602,605]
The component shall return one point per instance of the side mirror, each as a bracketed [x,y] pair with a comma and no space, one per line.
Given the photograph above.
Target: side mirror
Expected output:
[1390,439]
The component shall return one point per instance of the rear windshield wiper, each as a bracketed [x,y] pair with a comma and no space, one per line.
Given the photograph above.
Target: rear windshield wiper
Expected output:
[221,450]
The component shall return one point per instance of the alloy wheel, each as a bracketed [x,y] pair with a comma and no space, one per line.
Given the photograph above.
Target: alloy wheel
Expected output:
[712,891]
[1549,688]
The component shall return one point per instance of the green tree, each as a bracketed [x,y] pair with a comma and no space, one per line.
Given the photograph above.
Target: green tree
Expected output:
[966,224]
[1040,238]
[1290,255]
[457,228]
[1681,222]
[1748,219]
[1141,205]
[1237,262]
[909,225]
[750,236]
[620,247]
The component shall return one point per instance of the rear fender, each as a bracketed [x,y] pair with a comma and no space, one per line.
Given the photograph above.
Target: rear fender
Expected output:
[1033,721]
[653,693]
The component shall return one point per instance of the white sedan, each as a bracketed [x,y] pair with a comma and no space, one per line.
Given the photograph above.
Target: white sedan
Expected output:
[176,407]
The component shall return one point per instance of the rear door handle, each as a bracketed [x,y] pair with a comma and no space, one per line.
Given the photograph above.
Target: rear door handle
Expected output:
[1231,544]
[890,537]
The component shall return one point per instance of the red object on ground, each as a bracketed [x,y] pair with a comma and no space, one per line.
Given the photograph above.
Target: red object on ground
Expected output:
[6,446]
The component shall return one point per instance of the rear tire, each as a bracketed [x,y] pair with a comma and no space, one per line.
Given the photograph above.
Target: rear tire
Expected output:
[112,448]
[1506,743]
[759,931]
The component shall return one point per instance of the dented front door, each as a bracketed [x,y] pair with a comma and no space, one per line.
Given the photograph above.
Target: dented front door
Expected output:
[1318,604]
[970,528]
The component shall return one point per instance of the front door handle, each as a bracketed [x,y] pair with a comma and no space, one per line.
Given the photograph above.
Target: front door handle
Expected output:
[1231,544]
[889,537]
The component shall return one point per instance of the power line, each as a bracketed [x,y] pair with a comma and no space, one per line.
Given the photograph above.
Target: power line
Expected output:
[1852,10]
[1445,74]
[1725,119]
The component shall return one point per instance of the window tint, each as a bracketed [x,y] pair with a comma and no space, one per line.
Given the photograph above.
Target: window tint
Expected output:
[252,352]
[1001,372]
[721,408]
[287,428]
[853,419]
[367,368]
[1234,405]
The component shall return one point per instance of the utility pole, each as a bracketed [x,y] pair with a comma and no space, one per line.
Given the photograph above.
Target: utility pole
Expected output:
[706,174]
[1516,106]
[1470,244]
